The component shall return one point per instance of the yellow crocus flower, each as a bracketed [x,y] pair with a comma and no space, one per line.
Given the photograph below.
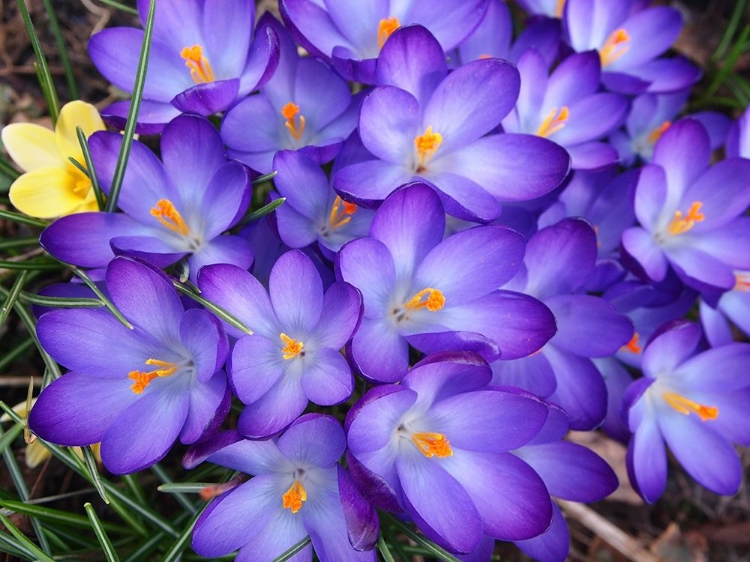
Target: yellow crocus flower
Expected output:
[52,186]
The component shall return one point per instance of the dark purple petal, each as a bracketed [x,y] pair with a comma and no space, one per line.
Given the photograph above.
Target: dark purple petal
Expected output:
[362,524]
[375,488]
[412,60]
[574,79]
[205,400]
[152,116]
[441,375]
[145,431]
[532,373]
[464,198]
[435,342]
[77,409]
[146,297]
[592,156]
[262,60]
[207,99]
[553,545]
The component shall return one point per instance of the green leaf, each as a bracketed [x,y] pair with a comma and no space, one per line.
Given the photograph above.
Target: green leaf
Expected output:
[181,543]
[260,213]
[7,439]
[58,516]
[424,542]
[90,170]
[264,178]
[45,77]
[17,217]
[93,472]
[731,29]
[135,103]
[101,534]
[24,540]
[7,169]
[29,265]
[299,547]
[19,242]
[59,302]
[120,6]
[61,49]
[384,551]
[217,310]
[10,300]
[108,303]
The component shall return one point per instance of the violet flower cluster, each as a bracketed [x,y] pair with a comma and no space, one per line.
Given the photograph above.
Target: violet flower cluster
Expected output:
[469,252]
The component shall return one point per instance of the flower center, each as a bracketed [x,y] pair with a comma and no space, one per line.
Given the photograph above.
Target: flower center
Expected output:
[432,444]
[294,496]
[632,346]
[385,28]
[166,214]
[686,406]
[426,146]
[656,134]
[553,122]
[142,379]
[294,125]
[429,298]
[292,348]
[200,69]
[614,47]
[341,213]
[681,224]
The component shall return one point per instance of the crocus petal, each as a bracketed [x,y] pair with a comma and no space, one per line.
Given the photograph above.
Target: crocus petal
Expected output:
[275,410]
[49,193]
[412,60]
[553,545]
[451,515]
[639,244]
[592,156]
[368,182]
[510,497]
[143,433]
[146,298]
[328,379]
[235,22]
[77,409]
[207,99]
[361,518]
[257,365]
[230,450]
[32,146]
[465,199]
[722,192]
[647,461]
[79,339]
[73,115]
[342,308]
[152,115]
[379,352]
[700,372]
[279,535]
[200,336]
[389,122]
[684,151]
[231,520]
[670,348]
[410,223]
[204,403]
[355,263]
[532,373]
[295,170]
[597,115]
[232,250]
[314,24]
[324,431]
[155,250]
[471,101]
[651,32]
[296,292]
[575,78]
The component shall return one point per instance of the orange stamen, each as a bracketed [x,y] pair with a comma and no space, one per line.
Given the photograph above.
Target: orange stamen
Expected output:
[166,214]
[432,444]
[294,496]
[200,69]
[553,122]
[142,379]
[385,28]
[742,282]
[435,300]
[484,57]
[680,224]
[559,8]
[427,145]
[341,212]
[656,134]
[614,47]
[632,346]
[686,406]
[292,347]
[295,127]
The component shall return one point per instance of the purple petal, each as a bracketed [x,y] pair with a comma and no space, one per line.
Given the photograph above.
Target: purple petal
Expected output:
[651,32]
[77,409]
[388,124]
[362,524]
[328,379]
[684,151]
[379,352]
[314,439]
[355,263]
[224,199]
[201,338]
[152,116]
[722,191]
[207,99]
[370,423]
[312,23]
[230,450]
[146,298]
[273,411]
[553,544]
[296,292]
[639,244]
[464,198]
[205,400]
[532,373]
[282,533]
[145,431]
[647,461]
[257,365]
[302,182]
[670,348]
[342,310]
[228,30]
[368,182]
[701,373]
[262,60]
[232,250]
[592,118]
[575,78]
[592,156]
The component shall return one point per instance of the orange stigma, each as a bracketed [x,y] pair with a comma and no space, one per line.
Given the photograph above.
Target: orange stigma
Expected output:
[341,212]
[553,122]
[656,134]
[294,496]
[166,214]
[200,69]
[614,47]
[632,346]
[435,300]
[385,28]
[742,282]
[680,224]
[426,146]
[687,406]
[559,8]
[295,126]
[292,347]
[432,444]
[142,379]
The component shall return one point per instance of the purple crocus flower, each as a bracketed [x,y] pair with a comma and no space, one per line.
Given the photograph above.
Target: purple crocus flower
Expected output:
[567,107]
[203,57]
[436,294]
[437,446]
[423,124]
[558,261]
[629,40]
[134,390]
[570,472]
[691,212]
[305,106]
[298,490]
[173,209]
[313,212]
[733,305]
[292,356]
[694,402]
[351,35]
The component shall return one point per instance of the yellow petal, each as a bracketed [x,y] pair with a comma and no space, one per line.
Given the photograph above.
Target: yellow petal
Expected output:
[72,115]
[32,146]
[51,192]
[36,454]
